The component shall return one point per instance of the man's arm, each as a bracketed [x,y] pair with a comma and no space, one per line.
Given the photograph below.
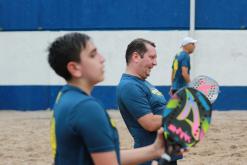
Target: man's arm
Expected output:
[105,158]
[132,156]
[143,154]
[185,74]
[150,122]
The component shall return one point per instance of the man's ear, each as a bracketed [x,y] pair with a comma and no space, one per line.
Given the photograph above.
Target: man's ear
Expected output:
[74,69]
[136,57]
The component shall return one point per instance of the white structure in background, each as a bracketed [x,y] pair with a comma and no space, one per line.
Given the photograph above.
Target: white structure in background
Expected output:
[219,54]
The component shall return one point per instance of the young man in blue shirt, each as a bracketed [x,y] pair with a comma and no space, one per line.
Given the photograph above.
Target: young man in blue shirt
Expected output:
[82,132]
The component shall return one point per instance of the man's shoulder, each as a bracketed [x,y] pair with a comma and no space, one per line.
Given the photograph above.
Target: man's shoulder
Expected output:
[129,81]
[75,104]
[183,55]
[72,97]
[77,97]
[88,107]
[133,84]
[127,85]
[128,88]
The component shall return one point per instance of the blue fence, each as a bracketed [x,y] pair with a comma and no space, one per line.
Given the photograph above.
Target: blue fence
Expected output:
[43,97]
[111,14]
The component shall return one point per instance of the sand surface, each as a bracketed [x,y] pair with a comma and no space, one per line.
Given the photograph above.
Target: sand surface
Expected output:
[24,139]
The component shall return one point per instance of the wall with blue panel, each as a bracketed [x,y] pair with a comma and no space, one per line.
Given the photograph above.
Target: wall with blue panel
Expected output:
[27,27]
[111,14]
[97,14]
[221,14]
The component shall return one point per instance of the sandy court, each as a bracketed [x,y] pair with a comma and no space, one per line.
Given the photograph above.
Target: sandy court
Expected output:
[24,139]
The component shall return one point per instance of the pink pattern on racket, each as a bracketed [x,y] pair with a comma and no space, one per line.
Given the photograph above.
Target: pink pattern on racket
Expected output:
[205,89]
[208,86]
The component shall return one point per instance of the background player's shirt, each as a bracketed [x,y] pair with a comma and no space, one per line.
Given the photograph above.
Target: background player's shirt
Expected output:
[80,126]
[182,59]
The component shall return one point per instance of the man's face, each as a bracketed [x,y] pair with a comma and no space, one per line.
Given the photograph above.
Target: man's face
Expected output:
[147,62]
[190,47]
[92,64]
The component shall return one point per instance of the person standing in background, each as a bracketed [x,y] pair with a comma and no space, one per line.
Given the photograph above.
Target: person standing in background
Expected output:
[180,76]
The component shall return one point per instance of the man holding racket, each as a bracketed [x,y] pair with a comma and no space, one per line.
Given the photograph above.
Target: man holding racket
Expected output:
[181,65]
[141,104]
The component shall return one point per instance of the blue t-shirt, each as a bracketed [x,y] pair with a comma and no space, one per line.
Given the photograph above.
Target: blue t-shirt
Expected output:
[82,127]
[181,60]
[136,98]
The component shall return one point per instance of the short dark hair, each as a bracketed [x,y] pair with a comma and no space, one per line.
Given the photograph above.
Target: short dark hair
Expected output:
[138,45]
[65,49]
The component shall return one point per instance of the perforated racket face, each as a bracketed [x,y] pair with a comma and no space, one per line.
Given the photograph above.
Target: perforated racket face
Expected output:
[187,117]
[208,86]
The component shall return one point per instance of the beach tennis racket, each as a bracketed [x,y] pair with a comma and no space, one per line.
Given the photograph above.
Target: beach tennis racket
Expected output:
[208,86]
[186,120]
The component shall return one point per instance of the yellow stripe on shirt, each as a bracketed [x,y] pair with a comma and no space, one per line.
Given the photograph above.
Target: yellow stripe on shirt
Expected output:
[53,140]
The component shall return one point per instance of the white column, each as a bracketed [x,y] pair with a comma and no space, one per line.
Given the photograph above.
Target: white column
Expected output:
[192,18]
[192,34]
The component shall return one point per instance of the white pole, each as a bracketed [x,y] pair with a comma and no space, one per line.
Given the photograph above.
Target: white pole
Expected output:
[192,18]
[192,34]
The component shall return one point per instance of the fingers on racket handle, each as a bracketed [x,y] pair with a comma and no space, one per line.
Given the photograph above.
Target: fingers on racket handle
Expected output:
[165,158]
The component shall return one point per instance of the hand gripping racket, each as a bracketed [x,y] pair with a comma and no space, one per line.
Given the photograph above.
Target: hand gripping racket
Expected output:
[186,119]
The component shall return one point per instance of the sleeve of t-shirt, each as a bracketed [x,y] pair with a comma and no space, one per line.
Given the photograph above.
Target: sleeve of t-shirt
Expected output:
[185,61]
[90,121]
[135,100]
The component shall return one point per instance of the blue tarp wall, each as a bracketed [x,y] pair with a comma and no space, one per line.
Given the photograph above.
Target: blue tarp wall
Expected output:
[121,14]
[43,97]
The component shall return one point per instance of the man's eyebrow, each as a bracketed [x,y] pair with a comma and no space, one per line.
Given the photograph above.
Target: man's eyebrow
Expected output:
[93,50]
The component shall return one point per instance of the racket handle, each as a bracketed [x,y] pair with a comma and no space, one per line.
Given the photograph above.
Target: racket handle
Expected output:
[165,158]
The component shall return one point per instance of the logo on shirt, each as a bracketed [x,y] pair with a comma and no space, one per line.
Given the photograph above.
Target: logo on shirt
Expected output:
[156,92]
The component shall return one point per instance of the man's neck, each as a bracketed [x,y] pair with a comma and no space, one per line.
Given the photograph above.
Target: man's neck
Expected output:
[186,51]
[82,84]
[133,73]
